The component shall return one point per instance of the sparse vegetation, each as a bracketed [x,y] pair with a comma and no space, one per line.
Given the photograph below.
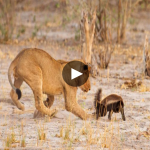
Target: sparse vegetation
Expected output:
[21,31]
[41,133]
[120,54]
[23,142]
[7,18]
[35,31]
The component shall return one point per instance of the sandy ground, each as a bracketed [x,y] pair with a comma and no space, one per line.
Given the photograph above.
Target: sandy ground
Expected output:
[64,130]
[91,134]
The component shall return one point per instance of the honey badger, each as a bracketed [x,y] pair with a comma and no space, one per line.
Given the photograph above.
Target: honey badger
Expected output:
[111,103]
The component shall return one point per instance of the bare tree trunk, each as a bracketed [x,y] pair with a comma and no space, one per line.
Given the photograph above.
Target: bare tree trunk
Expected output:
[100,4]
[124,22]
[105,25]
[144,60]
[86,50]
[89,31]
[110,30]
[119,20]
[89,4]
[145,55]
[102,27]
[146,3]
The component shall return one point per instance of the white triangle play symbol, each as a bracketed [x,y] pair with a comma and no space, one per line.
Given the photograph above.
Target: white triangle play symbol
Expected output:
[75,73]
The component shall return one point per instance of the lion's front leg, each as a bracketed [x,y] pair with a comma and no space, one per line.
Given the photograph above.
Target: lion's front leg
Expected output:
[77,110]
[48,103]
[72,105]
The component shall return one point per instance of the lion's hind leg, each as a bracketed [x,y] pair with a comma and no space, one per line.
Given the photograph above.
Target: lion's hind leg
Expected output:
[17,83]
[50,100]
[48,103]
[39,104]
[32,75]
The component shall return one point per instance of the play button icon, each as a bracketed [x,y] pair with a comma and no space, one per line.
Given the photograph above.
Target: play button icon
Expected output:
[75,73]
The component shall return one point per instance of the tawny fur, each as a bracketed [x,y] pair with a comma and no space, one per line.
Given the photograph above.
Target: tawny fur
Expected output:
[111,103]
[44,75]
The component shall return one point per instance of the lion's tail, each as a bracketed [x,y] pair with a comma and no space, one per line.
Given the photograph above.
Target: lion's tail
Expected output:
[98,97]
[10,70]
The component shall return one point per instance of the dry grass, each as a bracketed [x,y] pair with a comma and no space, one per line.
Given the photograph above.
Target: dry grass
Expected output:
[74,133]
[135,85]
[7,11]
[101,133]
[41,133]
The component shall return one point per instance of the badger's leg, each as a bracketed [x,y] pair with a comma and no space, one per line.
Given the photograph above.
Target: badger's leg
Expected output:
[17,83]
[122,113]
[48,103]
[110,114]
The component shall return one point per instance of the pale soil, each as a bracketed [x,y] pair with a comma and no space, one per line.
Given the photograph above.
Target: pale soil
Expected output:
[120,134]
[126,62]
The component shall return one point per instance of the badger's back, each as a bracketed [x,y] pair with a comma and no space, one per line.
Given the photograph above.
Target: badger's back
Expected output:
[113,102]
[111,99]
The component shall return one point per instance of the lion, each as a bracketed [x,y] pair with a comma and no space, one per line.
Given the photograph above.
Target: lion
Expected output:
[43,74]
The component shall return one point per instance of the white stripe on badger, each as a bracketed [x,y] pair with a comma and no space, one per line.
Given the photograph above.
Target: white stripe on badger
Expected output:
[111,101]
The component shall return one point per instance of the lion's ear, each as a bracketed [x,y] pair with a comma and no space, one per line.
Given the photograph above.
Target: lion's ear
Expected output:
[85,67]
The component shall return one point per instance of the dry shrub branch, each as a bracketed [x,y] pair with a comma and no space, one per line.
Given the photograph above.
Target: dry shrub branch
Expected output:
[7,16]
[87,35]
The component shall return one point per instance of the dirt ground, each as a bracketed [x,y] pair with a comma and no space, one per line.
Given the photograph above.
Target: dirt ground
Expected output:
[64,130]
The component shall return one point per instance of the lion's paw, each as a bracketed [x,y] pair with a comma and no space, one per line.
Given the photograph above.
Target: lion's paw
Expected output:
[53,112]
[38,114]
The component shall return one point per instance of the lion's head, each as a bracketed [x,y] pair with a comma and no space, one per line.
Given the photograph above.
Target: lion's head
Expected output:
[87,85]
[82,67]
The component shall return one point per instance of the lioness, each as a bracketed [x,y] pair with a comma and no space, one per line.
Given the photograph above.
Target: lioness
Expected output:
[44,75]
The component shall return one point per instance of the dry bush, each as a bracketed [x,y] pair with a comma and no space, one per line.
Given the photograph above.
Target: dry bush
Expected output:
[106,16]
[146,3]
[101,23]
[7,16]
[146,58]
[101,26]
[101,59]
[104,57]
[131,84]
[135,85]
[119,20]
